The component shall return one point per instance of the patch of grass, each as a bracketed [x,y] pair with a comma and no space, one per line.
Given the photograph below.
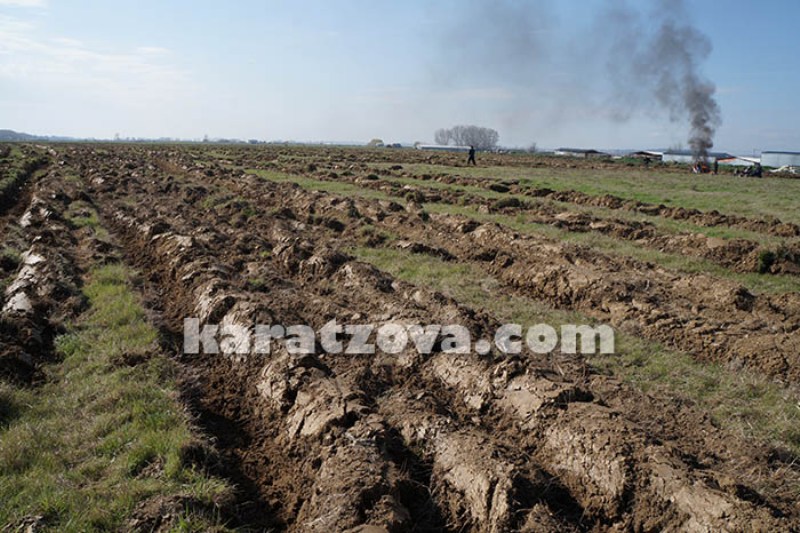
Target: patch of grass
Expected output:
[667,225]
[749,197]
[10,255]
[257,284]
[334,187]
[765,260]
[89,220]
[368,232]
[754,282]
[740,401]
[211,202]
[10,258]
[221,201]
[100,436]
[17,167]
[83,215]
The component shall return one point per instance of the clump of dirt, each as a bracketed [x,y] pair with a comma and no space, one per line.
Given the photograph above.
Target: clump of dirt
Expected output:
[737,254]
[43,291]
[432,441]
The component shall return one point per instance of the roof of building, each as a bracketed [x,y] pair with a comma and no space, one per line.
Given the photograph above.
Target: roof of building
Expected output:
[747,158]
[647,152]
[579,150]
[712,155]
[450,147]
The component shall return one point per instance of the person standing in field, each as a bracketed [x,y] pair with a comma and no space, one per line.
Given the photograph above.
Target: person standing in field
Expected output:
[471,158]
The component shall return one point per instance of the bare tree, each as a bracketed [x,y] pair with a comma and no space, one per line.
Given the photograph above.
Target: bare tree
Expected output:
[480,138]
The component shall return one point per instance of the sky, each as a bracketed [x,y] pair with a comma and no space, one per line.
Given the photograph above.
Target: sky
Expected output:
[538,71]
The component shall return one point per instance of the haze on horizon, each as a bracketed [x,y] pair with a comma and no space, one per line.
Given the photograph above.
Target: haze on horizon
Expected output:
[537,71]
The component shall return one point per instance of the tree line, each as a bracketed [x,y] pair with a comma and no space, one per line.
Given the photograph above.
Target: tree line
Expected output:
[480,138]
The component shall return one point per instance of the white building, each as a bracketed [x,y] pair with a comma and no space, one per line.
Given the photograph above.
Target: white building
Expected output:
[579,152]
[442,148]
[739,161]
[687,156]
[780,159]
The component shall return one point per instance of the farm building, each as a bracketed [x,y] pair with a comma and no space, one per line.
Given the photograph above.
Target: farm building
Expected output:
[687,156]
[780,159]
[443,148]
[580,152]
[647,154]
[739,161]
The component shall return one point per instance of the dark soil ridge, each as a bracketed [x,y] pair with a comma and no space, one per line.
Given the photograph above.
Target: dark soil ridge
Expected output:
[711,318]
[43,291]
[739,255]
[339,415]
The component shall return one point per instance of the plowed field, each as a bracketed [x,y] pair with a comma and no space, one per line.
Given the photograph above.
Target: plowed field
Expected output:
[693,423]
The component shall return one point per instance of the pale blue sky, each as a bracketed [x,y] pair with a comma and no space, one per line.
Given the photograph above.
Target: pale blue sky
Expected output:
[353,70]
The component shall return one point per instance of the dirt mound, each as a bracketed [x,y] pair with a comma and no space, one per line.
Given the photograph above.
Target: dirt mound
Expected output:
[43,289]
[740,255]
[714,319]
[482,443]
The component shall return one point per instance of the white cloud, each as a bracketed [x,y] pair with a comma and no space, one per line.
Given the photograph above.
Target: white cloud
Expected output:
[138,77]
[152,50]
[24,3]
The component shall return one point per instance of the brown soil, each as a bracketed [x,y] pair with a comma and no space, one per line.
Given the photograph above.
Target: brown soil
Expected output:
[439,442]
[740,255]
[42,290]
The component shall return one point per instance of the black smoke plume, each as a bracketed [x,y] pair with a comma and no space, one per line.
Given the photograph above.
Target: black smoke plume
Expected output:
[665,64]
[630,60]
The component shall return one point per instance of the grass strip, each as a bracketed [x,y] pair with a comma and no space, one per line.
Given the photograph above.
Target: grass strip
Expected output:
[106,431]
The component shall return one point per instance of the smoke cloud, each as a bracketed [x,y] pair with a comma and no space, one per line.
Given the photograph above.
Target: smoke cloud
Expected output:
[619,61]
[665,64]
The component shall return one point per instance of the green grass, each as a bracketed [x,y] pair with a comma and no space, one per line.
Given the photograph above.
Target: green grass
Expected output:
[666,225]
[11,254]
[83,215]
[222,201]
[83,221]
[334,187]
[18,166]
[10,258]
[755,282]
[11,177]
[749,197]
[101,436]
[739,401]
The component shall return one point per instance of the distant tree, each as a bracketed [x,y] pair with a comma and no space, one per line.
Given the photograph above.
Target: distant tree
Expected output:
[375,143]
[480,138]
